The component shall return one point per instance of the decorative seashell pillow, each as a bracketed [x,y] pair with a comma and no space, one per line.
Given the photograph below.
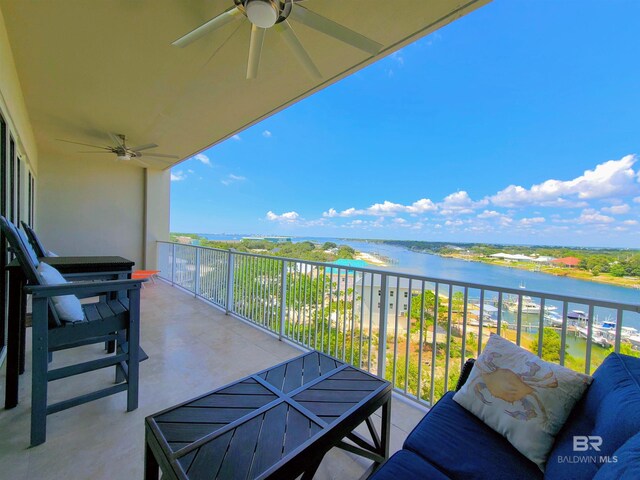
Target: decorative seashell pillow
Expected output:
[522,397]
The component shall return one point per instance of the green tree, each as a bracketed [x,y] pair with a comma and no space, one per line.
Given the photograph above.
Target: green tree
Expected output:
[627,349]
[328,245]
[551,344]
[417,305]
[617,270]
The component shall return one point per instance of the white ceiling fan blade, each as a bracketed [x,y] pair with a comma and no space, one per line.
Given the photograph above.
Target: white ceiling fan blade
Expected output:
[84,144]
[160,155]
[217,22]
[143,147]
[117,139]
[140,162]
[298,50]
[333,29]
[255,51]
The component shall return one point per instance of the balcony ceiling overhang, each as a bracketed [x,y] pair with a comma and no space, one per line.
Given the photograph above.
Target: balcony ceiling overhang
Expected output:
[88,69]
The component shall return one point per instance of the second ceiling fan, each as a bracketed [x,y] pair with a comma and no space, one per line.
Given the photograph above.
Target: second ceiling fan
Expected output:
[266,14]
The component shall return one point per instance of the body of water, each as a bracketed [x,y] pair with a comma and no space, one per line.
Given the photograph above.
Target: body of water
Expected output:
[475,272]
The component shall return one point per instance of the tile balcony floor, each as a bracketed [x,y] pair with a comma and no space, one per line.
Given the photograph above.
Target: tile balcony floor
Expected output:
[193,348]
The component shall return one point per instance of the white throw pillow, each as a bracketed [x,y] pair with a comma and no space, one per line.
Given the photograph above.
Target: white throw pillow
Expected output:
[68,307]
[522,397]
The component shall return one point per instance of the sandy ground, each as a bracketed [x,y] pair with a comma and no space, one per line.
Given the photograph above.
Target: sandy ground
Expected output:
[371,259]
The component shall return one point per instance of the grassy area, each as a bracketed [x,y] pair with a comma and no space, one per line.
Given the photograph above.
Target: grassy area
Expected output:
[327,252]
[629,282]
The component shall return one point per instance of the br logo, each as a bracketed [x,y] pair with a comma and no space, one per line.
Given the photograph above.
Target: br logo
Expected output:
[583,443]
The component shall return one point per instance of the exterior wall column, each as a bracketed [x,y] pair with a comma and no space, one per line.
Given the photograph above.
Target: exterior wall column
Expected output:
[157,193]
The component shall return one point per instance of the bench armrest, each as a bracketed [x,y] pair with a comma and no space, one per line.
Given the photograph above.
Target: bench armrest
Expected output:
[83,288]
[464,373]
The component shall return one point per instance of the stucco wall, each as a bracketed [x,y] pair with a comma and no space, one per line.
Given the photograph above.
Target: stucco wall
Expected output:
[91,206]
[157,200]
[12,103]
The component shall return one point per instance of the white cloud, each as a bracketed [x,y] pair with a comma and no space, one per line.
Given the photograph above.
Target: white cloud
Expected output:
[421,206]
[630,222]
[617,209]
[236,137]
[459,203]
[531,221]
[489,214]
[231,178]
[453,223]
[287,217]
[589,215]
[385,208]
[178,176]
[203,158]
[609,179]
[636,200]
[267,134]
[399,59]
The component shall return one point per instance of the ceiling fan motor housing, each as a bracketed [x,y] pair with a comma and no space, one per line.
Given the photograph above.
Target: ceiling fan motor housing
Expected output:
[262,13]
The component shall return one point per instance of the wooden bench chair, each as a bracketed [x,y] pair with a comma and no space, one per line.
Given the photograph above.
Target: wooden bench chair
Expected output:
[35,242]
[114,318]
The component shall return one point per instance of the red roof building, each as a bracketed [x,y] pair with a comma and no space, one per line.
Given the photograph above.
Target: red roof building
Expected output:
[567,261]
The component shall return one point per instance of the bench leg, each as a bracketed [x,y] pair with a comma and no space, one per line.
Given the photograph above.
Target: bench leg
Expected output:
[39,372]
[120,375]
[133,340]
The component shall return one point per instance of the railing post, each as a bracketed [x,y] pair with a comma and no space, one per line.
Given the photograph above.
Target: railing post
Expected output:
[283,299]
[196,286]
[230,268]
[173,264]
[382,325]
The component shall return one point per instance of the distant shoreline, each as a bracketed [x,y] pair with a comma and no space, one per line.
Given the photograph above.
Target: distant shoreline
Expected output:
[627,282]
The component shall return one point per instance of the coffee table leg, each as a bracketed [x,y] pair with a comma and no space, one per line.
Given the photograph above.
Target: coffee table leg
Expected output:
[311,471]
[151,467]
[386,427]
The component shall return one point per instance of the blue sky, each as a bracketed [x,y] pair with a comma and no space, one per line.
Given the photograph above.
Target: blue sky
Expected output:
[515,124]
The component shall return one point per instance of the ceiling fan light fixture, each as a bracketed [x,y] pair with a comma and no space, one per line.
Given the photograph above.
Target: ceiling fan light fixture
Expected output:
[124,157]
[262,13]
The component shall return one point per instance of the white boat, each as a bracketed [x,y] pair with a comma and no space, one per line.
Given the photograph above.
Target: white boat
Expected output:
[528,306]
[597,336]
[577,315]
[635,340]
[553,319]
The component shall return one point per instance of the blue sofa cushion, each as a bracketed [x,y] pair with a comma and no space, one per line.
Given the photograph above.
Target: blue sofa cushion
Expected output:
[462,447]
[610,410]
[407,465]
[625,462]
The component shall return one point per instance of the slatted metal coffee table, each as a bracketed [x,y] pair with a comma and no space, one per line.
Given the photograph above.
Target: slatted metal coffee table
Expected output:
[278,423]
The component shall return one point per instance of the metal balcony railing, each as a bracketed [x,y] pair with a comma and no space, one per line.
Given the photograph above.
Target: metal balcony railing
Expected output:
[413,330]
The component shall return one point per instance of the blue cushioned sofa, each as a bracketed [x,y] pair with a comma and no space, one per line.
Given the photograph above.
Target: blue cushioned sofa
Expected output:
[451,442]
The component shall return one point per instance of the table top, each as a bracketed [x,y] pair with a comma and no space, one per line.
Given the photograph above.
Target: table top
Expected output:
[84,264]
[255,426]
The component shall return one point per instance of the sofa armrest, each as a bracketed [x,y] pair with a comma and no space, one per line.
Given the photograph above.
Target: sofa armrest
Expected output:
[464,373]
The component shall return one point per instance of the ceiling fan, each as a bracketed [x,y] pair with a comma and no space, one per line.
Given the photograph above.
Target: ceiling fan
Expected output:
[123,151]
[266,14]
